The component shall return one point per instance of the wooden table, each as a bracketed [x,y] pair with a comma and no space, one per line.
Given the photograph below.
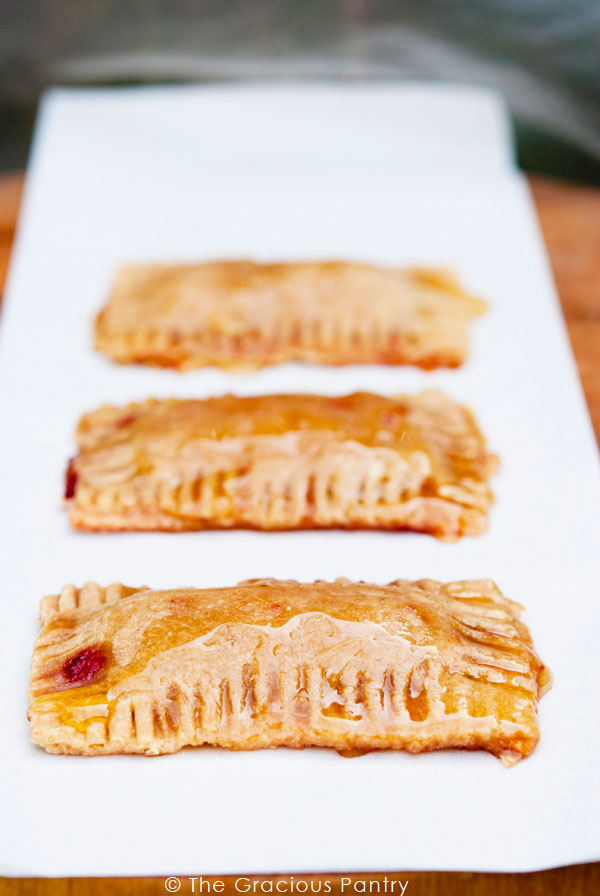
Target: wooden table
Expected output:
[570,221]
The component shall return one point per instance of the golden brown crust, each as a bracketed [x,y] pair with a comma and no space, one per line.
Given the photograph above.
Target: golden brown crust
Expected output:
[282,462]
[410,665]
[241,314]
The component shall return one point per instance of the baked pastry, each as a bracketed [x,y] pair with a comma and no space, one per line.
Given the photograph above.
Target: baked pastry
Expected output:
[282,462]
[240,314]
[410,665]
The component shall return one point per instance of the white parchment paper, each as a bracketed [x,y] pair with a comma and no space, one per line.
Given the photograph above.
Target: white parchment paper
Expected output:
[385,174]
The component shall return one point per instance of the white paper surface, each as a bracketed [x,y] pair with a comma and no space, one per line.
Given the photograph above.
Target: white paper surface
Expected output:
[391,175]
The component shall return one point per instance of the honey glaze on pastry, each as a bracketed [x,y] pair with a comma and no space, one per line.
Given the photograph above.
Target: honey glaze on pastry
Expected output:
[241,314]
[282,462]
[413,666]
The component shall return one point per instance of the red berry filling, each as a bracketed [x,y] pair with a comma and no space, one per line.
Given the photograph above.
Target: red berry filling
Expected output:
[125,421]
[85,665]
[70,480]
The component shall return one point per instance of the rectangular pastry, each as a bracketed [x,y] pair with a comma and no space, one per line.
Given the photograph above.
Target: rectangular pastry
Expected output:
[407,666]
[282,462]
[241,314]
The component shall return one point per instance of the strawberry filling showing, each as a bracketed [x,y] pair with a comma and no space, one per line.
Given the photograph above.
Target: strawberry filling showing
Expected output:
[84,666]
[70,480]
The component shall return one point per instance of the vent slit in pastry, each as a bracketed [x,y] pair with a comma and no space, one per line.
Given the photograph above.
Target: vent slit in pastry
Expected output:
[351,666]
[240,314]
[282,462]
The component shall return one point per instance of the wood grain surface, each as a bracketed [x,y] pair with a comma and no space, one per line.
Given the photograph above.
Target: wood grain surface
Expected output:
[570,221]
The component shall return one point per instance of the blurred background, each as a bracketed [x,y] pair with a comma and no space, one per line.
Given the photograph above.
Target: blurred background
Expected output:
[542,55]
